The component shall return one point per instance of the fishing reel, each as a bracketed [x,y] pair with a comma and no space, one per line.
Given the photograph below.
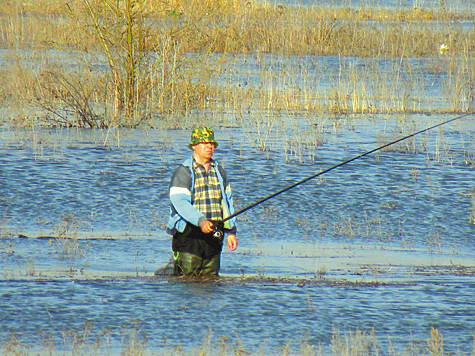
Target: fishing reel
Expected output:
[218,229]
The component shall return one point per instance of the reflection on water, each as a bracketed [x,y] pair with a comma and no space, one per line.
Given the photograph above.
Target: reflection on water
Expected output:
[400,217]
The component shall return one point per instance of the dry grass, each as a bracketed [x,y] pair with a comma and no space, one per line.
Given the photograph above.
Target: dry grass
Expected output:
[137,61]
[66,241]
[245,27]
[134,342]
[124,60]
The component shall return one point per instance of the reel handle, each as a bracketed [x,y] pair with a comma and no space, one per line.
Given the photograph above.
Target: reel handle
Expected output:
[218,229]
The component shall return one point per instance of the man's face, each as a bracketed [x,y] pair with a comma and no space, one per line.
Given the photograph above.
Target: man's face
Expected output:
[204,150]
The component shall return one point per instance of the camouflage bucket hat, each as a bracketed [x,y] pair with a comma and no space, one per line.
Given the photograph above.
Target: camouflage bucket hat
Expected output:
[202,134]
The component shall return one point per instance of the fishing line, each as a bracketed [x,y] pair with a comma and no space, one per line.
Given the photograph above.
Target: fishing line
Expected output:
[219,224]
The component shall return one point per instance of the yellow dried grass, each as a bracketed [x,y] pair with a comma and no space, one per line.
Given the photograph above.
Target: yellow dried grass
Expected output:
[246,27]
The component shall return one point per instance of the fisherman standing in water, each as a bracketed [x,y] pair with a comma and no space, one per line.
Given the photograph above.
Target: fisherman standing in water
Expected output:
[200,195]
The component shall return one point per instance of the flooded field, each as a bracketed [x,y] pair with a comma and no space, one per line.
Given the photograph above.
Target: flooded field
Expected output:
[451,5]
[382,243]
[374,257]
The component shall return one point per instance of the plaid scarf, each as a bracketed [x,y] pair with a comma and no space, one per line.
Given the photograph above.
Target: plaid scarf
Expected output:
[207,192]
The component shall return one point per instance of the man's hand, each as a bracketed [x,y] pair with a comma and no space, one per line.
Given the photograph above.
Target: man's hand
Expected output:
[232,242]
[207,226]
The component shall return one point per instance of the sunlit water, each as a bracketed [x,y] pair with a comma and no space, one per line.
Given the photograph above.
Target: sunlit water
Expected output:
[396,217]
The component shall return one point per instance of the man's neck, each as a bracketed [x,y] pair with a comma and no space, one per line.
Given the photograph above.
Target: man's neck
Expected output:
[204,162]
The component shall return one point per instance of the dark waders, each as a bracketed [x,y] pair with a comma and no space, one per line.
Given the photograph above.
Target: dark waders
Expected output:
[196,253]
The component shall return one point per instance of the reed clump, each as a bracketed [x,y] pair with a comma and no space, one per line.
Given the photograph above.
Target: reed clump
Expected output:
[66,241]
[125,60]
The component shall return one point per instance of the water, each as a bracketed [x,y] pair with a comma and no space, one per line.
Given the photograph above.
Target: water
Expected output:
[451,5]
[276,313]
[376,82]
[382,243]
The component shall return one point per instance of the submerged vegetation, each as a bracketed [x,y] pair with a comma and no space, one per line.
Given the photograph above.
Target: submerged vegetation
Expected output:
[98,63]
[133,341]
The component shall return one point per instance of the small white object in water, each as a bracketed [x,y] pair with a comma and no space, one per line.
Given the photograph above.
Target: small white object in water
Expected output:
[443,48]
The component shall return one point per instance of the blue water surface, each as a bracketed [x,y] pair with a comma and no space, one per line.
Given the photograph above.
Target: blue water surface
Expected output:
[413,200]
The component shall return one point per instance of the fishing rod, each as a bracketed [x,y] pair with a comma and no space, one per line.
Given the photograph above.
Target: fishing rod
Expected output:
[219,225]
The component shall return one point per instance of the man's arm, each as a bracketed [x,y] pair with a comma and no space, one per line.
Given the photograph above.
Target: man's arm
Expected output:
[180,197]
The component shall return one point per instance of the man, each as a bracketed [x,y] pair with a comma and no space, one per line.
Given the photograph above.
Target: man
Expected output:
[200,195]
